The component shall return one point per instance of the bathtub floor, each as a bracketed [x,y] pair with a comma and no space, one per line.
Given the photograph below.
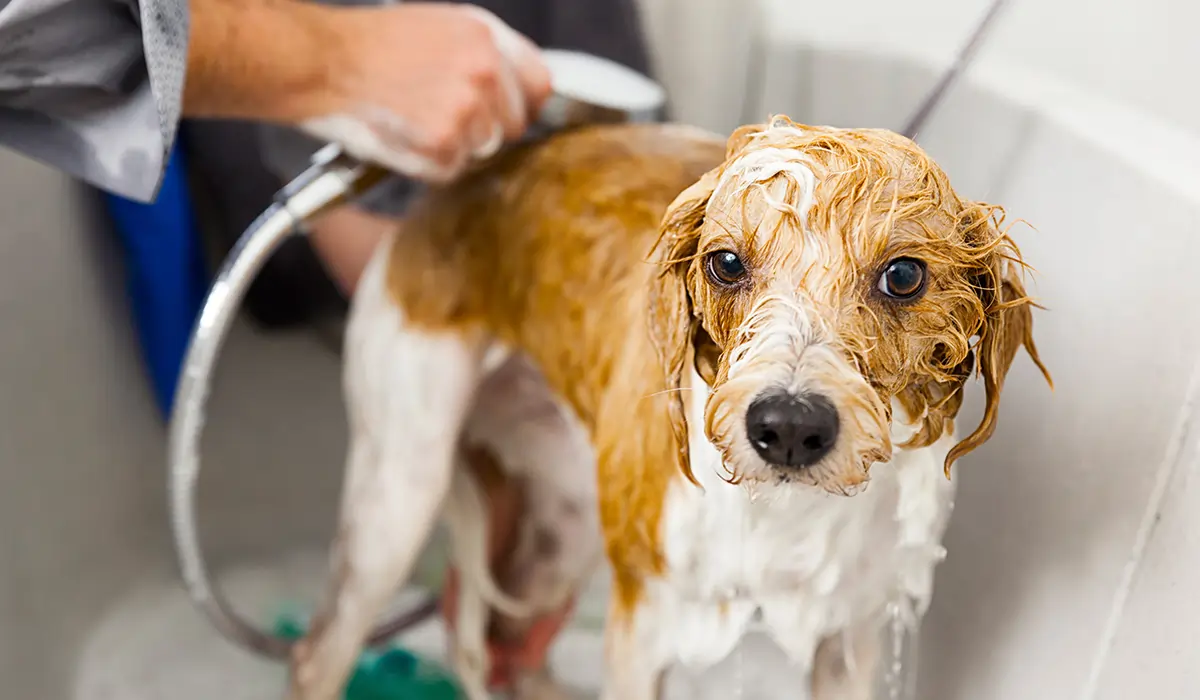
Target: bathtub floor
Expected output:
[155,645]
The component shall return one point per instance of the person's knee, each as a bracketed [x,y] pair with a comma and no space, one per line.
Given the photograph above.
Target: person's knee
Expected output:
[345,239]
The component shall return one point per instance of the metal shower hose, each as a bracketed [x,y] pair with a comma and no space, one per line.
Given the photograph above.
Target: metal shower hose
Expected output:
[332,179]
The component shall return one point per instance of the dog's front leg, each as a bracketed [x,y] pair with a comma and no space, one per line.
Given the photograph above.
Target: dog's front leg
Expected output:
[634,662]
[408,392]
[381,532]
[846,666]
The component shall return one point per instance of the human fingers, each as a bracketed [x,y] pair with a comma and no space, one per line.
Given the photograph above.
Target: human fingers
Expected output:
[522,59]
[378,136]
[487,72]
[446,138]
[532,74]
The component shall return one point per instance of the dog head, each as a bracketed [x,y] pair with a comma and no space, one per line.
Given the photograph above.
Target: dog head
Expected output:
[819,277]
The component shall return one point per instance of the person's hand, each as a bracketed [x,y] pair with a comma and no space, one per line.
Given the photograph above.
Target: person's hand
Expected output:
[425,88]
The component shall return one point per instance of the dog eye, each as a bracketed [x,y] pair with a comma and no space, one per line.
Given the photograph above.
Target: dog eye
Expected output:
[725,268]
[903,279]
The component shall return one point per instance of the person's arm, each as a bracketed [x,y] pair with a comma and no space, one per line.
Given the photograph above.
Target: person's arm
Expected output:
[421,88]
[96,87]
[261,60]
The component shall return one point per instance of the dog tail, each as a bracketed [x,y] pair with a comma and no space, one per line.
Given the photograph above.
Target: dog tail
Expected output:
[465,516]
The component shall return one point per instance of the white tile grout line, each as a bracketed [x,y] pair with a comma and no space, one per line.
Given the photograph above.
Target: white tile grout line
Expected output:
[1184,433]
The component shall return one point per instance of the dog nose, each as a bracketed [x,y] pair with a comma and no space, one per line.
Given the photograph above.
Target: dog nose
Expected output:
[792,431]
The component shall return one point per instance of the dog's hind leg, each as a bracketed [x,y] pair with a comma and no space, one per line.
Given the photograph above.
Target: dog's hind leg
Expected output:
[544,452]
[408,391]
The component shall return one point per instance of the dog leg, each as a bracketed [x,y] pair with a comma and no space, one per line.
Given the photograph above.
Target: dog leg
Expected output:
[408,391]
[558,549]
[846,666]
[634,670]
[539,684]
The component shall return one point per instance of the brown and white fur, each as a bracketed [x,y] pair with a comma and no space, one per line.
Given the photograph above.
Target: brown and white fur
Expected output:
[558,310]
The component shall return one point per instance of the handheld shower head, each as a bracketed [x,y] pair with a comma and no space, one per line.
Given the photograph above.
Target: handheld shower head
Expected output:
[585,89]
[588,89]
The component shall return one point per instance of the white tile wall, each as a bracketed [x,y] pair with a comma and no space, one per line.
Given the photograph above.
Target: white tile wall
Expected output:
[1049,511]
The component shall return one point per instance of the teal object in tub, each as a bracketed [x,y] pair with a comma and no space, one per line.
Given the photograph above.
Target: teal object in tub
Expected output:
[165,274]
[392,673]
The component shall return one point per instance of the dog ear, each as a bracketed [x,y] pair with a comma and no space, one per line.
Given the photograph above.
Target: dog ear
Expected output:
[1007,323]
[673,326]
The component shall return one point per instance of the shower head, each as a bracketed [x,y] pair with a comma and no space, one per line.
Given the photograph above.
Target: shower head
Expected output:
[587,89]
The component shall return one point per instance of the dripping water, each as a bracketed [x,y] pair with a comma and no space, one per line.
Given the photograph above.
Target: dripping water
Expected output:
[900,653]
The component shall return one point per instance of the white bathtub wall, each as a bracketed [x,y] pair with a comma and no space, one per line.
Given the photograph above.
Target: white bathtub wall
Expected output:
[1141,54]
[1070,572]
[1050,513]
[82,488]
[701,52]
[1137,53]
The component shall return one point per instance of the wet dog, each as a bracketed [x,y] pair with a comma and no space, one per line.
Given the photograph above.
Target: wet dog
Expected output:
[731,365]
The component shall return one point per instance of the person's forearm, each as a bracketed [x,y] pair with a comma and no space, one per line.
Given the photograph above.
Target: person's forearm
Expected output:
[262,60]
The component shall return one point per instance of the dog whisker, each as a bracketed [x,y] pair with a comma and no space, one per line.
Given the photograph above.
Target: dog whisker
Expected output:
[667,391]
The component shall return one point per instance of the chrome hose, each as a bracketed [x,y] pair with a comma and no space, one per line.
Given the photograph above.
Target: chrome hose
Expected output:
[962,60]
[332,179]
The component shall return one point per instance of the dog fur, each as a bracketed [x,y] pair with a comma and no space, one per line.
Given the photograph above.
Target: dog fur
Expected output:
[558,312]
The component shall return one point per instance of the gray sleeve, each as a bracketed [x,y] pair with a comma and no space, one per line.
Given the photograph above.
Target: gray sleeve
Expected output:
[94,87]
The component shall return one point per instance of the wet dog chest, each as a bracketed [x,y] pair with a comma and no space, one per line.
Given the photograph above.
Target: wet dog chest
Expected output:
[799,564]
[726,544]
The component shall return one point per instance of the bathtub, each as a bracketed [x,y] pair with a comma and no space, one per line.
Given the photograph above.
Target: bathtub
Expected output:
[1071,570]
